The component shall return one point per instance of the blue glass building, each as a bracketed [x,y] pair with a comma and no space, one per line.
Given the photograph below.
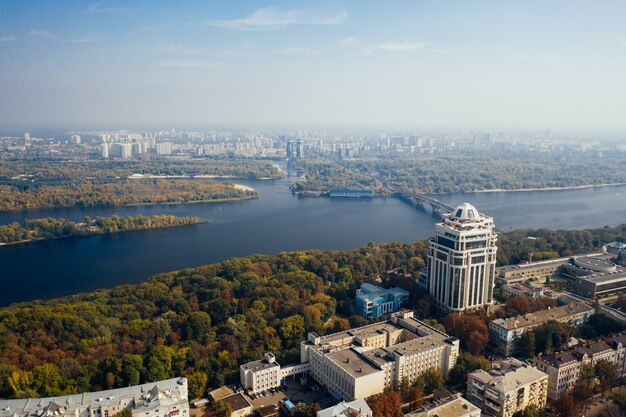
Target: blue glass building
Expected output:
[373,301]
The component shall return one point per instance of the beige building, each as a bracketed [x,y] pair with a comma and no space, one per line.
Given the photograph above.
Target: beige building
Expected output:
[361,362]
[454,406]
[505,332]
[462,261]
[511,388]
[539,271]
[564,368]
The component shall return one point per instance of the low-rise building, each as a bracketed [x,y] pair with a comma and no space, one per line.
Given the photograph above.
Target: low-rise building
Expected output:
[521,290]
[260,375]
[356,408]
[565,368]
[540,271]
[454,406]
[239,405]
[373,301]
[510,388]
[506,332]
[594,276]
[166,398]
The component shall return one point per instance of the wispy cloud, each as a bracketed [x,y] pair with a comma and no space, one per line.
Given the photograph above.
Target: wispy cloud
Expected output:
[39,33]
[7,38]
[544,58]
[272,18]
[83,39]
[293,50]
[176,48]
[350,41]
[101,7]
[186,64]
[401,46]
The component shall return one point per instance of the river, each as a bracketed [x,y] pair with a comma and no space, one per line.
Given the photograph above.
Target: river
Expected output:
[275,222]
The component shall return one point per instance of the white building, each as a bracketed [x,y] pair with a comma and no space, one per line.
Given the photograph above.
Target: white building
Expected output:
[76,139]
[157,399]
[462,260]
[511,388]
[361,362]
[454,406]
[260,375]
[104,150]
[356,408]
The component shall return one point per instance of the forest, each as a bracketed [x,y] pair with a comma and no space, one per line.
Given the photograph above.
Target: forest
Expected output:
[27,195]
[51,228]
[461,173]
[44,170]
[204,322]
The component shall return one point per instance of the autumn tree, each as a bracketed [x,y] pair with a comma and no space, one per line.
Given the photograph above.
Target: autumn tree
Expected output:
[387,404]
[565,406]
[471,330]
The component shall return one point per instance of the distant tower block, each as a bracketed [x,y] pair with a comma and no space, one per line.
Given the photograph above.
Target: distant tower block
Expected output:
[462,261]
[26,138]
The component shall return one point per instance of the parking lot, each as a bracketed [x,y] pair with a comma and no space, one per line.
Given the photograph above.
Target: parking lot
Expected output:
[296,393]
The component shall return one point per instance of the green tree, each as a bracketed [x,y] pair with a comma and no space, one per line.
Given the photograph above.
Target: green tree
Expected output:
[132,369]
[221,409]
[529,411]
[430,381]
[196,383]
[47,380]
[292,328]
[606,372]
[159,363]
[526,344]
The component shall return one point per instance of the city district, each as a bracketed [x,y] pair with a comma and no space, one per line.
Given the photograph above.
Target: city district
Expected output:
[343,371]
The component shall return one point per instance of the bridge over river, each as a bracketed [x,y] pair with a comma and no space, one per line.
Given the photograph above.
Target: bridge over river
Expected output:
[421,200]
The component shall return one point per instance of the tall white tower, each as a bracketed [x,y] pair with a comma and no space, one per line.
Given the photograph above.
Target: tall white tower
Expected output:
[462,261]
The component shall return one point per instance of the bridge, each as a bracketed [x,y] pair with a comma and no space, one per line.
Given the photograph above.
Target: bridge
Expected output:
[421,200]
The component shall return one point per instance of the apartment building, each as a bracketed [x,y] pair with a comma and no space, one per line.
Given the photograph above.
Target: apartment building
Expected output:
[505,332]
[510,388]
[166,398]
[565,368]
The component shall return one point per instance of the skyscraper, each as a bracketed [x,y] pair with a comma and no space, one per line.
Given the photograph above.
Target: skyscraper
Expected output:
[26,138]
[462,261]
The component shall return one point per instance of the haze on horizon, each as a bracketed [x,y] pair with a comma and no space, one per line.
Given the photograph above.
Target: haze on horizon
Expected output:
[535,64]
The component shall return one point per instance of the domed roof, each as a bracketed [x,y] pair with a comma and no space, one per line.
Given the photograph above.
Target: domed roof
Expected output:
[465,212]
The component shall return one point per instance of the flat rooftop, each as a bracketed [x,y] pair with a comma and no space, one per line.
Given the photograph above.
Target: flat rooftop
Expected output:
[352,362]
[259,365]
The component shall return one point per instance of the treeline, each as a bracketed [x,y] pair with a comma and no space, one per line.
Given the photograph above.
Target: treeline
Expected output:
[96,194]
[204,322]
[64,170]
[201,322]
[463,173]
[52,228]
[522,245]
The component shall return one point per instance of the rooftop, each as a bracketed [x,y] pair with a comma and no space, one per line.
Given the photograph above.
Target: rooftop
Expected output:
[356,408]
[146,396]
[543,316]
[455,406]
[512,375]
[236,402]
[259,365]
[352,362]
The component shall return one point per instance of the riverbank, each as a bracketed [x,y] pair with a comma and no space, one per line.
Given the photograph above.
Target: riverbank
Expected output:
[51,229]
[573,187]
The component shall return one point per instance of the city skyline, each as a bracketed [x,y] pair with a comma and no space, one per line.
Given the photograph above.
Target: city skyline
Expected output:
[535,65]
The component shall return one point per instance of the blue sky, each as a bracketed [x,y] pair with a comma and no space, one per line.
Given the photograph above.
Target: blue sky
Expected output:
[480,64]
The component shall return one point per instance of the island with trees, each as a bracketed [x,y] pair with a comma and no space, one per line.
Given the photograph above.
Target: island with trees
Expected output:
[446,174]
[204,322]
[29,195]
[51,228]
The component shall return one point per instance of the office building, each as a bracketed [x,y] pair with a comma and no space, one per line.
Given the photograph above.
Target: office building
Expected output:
[166,398]
[507,389]
[299,150]
[356,408]
[506,332]
[291,151]
[373,301]
[452,406]
[361,362]
[537,271]
[462,261]
[594,276]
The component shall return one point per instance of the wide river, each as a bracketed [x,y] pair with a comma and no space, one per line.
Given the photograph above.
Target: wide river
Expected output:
[277,221]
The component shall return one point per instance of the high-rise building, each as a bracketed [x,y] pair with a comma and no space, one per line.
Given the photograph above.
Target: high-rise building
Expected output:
[290,149]
[462,261]
[26,138]
[76,139]
[104,150]
[299,150]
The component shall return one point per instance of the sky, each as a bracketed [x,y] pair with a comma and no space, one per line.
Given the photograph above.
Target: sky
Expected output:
[423,64]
